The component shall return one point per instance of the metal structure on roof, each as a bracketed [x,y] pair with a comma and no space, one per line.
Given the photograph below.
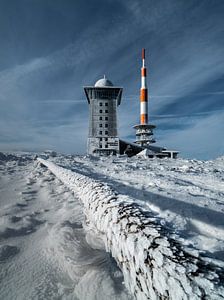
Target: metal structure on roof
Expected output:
[103,82]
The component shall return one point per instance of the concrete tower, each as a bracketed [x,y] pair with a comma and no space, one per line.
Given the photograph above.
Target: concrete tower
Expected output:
[103,99]
[144,131]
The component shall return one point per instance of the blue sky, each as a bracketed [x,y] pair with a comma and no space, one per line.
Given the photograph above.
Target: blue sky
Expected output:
[50,49]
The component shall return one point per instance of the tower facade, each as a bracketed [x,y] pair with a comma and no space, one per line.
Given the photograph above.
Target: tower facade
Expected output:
[144,130]
[103,99]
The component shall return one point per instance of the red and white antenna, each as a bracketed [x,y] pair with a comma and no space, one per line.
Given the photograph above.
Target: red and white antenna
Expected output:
[144,130]
[143,92]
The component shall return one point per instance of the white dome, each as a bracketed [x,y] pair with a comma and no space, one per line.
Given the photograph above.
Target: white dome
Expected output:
[104,82]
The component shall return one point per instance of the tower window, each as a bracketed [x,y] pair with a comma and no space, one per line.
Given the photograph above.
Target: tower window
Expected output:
[101,104]
[106,132]
[101,118]
[106,139]
[101,111]
[101,139]
[106,104]
[100,132]
[106,111]
[106,146]
[101,125]
[106,118]
[106,125]
[100,146]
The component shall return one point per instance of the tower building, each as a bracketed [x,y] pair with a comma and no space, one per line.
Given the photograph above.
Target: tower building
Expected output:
[144,130]
[103,99]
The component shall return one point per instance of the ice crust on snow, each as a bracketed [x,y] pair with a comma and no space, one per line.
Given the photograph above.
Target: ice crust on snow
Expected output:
[7,251]
[154,264]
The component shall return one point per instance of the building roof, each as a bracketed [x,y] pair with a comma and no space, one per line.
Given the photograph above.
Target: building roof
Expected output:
[103,85]
[103,82]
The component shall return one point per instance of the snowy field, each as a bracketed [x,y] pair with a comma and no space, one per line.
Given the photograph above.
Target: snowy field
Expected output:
[53,245]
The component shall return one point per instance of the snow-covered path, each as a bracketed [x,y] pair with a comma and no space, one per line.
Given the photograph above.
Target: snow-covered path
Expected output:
[154,263]
[44,252]
[23,219]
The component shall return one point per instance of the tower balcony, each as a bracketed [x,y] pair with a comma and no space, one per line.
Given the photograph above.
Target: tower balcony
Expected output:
[144,139]
[143,131]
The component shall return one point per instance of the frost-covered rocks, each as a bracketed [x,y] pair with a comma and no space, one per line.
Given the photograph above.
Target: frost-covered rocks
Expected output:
[155,265]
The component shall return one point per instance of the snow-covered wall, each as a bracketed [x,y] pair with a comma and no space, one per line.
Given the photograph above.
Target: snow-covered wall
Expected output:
[154,264]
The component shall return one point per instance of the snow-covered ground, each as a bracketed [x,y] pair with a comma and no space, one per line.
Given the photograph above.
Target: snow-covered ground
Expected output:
[187,193]
[48,251]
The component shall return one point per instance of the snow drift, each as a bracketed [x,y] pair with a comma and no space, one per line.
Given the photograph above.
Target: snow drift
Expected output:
[154,264]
